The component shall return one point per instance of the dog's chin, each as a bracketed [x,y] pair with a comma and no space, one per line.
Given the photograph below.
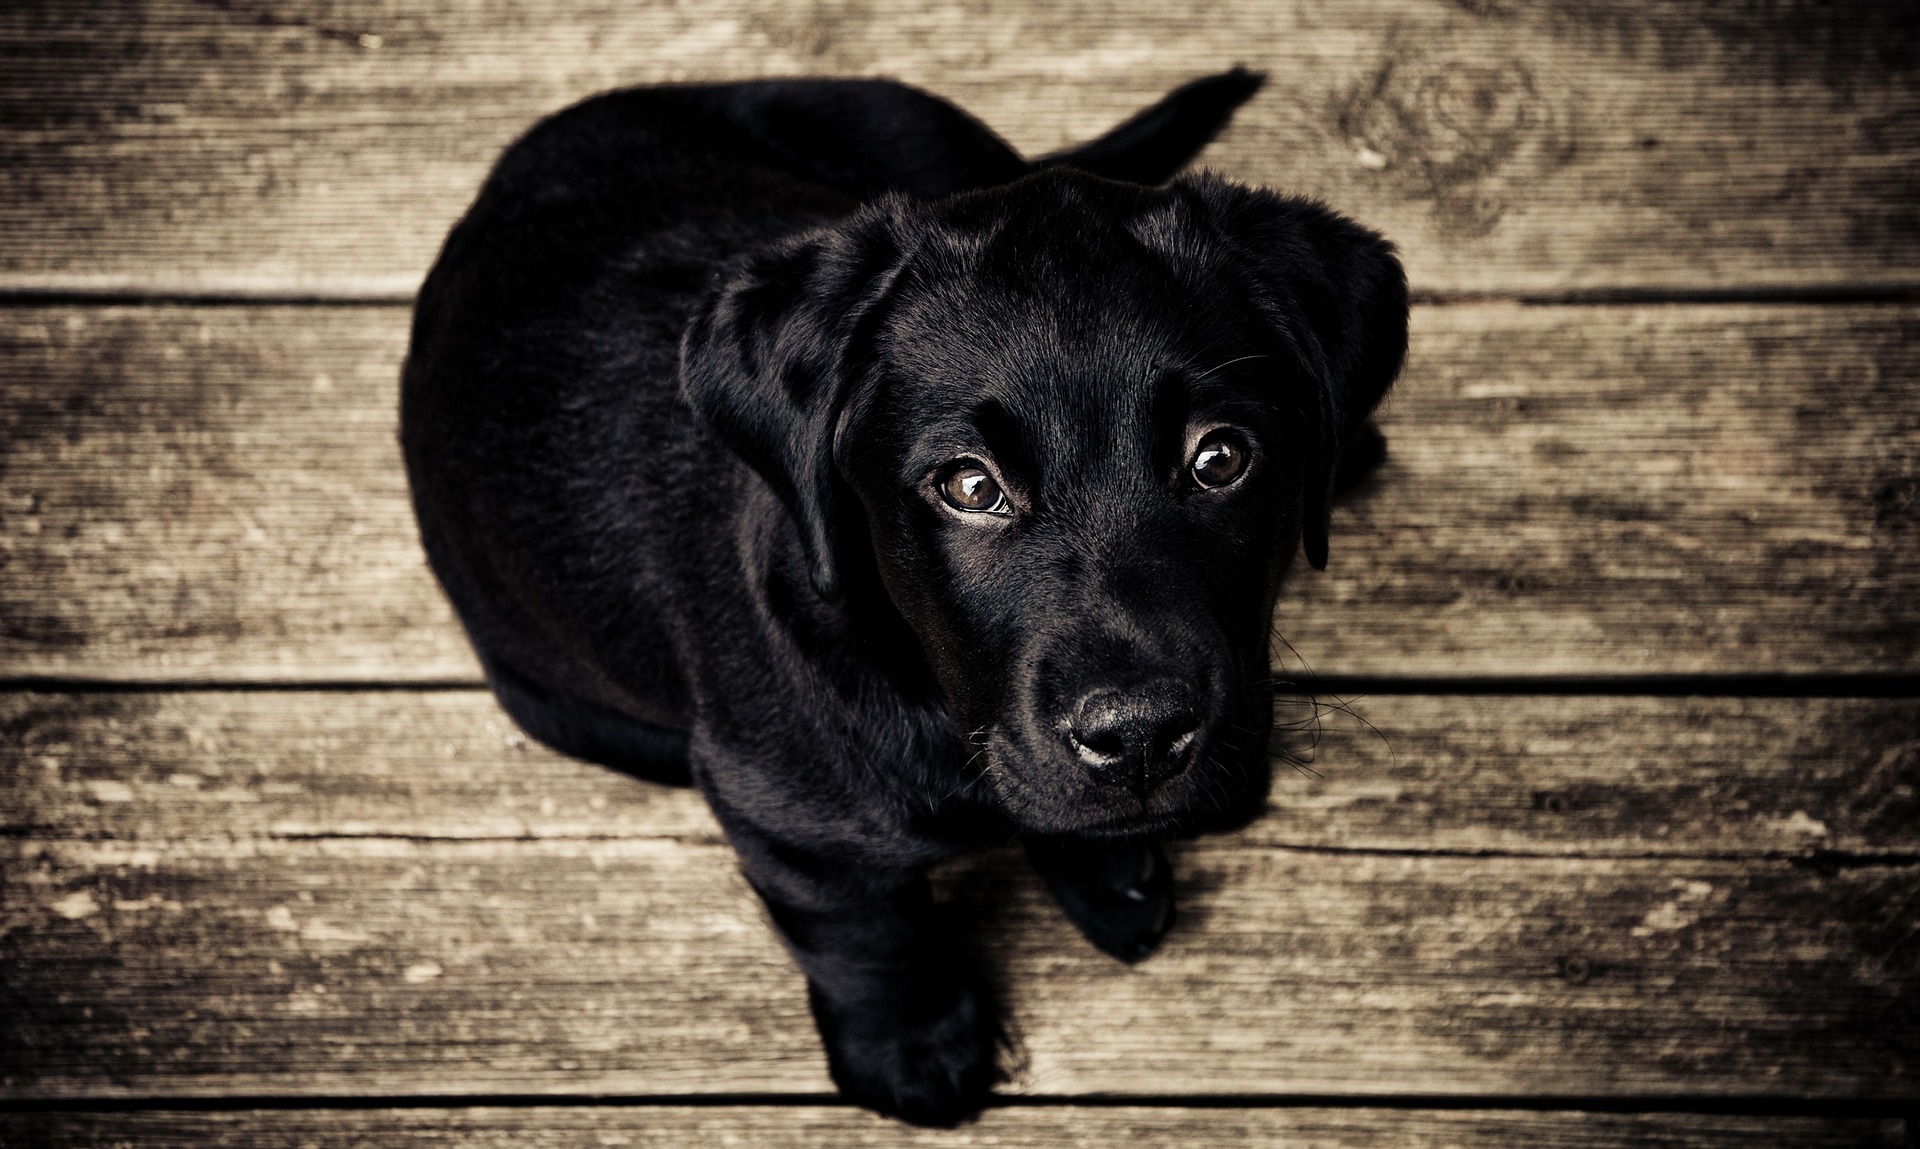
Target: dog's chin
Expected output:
[1092,824]
[1030,795]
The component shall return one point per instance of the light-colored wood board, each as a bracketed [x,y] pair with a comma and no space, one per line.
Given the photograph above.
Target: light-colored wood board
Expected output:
[215,966]
[1021,1127]
[221,488]
[306,147]
[1588,776]
[142,767]
[1600,775]
[216,494]
[1633,490]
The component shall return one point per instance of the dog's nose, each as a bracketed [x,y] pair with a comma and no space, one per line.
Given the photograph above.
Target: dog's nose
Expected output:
[1139,736]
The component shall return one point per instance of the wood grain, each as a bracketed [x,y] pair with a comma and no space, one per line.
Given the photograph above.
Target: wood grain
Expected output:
[220,489]
[841,1127]
[1621,490]
[390,966]
[1720,777]
[235,146]
[215,493]
[346,898]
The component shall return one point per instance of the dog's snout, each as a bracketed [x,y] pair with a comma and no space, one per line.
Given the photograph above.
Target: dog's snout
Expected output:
[1138,736]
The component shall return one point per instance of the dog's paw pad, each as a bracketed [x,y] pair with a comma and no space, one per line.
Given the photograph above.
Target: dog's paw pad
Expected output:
[1122,899]
[1132,931]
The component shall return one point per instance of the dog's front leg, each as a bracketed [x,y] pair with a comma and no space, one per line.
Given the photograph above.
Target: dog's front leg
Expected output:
[1120,894]
[910,1027]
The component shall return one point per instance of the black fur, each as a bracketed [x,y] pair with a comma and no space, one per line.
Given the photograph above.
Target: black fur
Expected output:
[683,385]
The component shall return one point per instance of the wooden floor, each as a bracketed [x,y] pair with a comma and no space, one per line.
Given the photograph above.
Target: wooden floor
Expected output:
[1617,843]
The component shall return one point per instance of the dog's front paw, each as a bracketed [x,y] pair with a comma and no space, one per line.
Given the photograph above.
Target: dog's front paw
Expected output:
[927,1054]
[1121,896]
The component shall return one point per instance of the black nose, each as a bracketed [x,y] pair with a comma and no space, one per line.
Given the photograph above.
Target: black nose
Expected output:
[1138,736]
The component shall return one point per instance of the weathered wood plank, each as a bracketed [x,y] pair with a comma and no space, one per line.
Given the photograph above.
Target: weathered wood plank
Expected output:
[1726,777]
[840,1127]
[141,767]
[215,493]
[219,490]
[308,148]
[1625,776]
[641,966]
[1611,491]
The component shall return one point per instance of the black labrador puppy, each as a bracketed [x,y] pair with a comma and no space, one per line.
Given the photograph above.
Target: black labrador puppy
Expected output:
[800,440]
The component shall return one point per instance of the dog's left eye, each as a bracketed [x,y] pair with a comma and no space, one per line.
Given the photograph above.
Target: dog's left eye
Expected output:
[1220,458]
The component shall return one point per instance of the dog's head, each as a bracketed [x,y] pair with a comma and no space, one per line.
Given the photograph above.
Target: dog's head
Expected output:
[1088,425]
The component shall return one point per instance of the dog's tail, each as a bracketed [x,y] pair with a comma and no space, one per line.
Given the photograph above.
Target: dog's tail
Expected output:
[1152,146]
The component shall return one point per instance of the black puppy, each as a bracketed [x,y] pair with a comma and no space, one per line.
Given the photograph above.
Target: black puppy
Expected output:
[801,440]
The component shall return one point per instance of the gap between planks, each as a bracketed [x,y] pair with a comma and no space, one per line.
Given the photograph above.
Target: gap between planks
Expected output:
[1777,295]
[1075,1123]
[1323,686]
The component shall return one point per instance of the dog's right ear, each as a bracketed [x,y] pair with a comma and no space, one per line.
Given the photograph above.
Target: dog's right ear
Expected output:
[768,363]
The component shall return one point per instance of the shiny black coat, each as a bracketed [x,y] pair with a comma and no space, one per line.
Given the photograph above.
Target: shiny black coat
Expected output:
[684,389]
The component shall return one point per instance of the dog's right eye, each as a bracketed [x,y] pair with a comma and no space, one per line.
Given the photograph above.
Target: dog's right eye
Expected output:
[969,488]
[1220,459]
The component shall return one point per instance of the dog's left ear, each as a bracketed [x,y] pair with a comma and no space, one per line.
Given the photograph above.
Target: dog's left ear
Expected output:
[1333,290]
[769,362]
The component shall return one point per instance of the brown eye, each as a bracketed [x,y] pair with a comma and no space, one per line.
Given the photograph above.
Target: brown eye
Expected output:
[1220,460]
[970,488]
